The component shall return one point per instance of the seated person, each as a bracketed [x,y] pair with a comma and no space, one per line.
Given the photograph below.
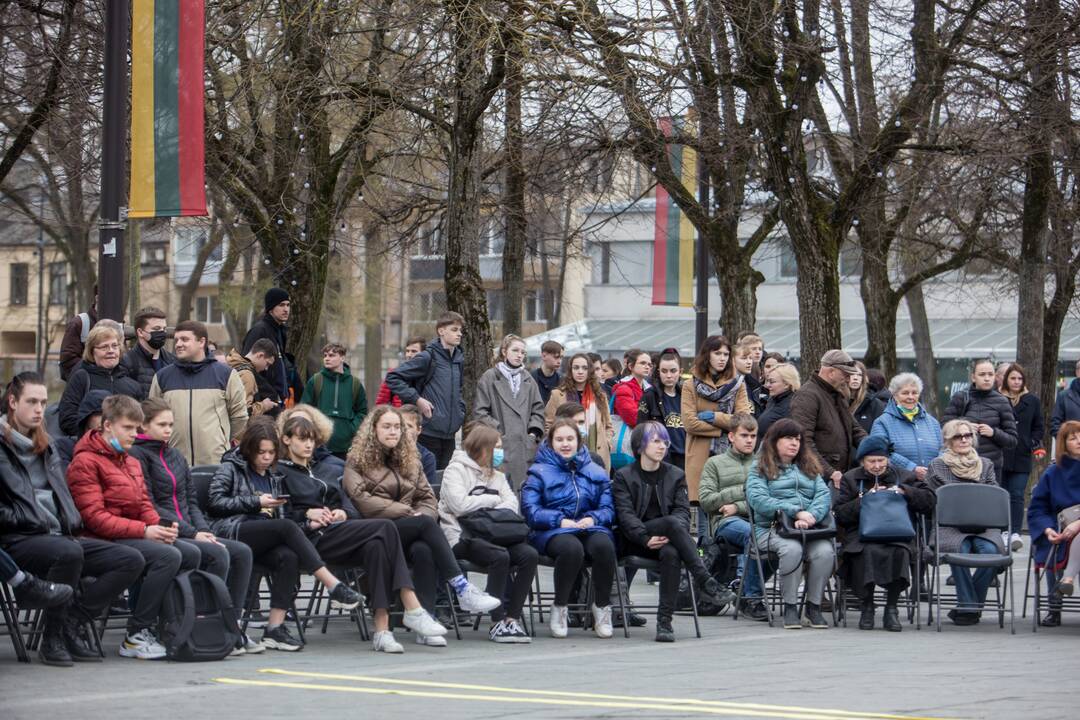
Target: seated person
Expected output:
[410,414]
[472,481]
[371,544]
[108,488]
[888,564]
[32,593]
[384,480]
[1058,489]
[653,513]
[325,465]
[89,416]
[575,412]
[961,463]
[786,478]
[39,528]
[245,504]
[567,504]
[168,479]
[722,495]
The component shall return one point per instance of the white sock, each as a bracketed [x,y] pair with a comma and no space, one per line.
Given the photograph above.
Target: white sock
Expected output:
[16,581]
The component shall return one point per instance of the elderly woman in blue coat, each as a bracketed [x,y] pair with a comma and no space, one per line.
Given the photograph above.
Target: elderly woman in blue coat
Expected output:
[786,478]
[567,504]
[915,435]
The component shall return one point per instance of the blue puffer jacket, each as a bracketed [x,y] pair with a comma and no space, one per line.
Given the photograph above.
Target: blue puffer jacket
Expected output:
[789,493]
[557,489]
[916,443]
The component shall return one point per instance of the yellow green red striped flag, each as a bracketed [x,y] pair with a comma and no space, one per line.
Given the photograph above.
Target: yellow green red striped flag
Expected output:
[673,238]
[167,150]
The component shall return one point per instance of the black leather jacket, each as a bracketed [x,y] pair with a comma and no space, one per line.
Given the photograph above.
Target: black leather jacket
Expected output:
[20,513]
[233,499]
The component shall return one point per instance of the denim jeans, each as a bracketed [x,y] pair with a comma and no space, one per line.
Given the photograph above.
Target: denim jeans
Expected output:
[8,568]
[737,532]
[1016,484]
[971,590]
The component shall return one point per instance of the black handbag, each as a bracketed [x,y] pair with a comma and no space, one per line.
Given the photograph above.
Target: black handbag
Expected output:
[500,526]
[823,530]
[884,518]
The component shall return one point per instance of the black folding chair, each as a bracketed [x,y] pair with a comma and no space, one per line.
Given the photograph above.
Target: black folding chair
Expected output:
[637,562]
[579,607]
[11,622]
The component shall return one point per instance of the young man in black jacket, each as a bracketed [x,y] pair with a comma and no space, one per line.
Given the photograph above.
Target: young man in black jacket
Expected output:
[149,354]
[272,326]
[654,518]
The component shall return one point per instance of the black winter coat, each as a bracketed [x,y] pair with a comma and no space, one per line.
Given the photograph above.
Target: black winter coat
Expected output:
[168,480]
[140,366]
[278,373]
[20,513]
[631,499]
[89,377]
[846,509]
[1029,434]
[988,407]
[778,407]
[756,394]
[233,499]
[306,491]
[868,411]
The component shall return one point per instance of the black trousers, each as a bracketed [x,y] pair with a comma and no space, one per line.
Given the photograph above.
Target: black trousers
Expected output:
[65,559]
[163,562]
[230,560]
[569,550]
[500,563]
[428,550]
[441,448]
[283,548]
[373,545]
[680,550]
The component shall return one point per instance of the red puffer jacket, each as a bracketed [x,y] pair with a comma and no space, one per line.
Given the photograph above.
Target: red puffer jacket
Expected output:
[109,490]
[628,394]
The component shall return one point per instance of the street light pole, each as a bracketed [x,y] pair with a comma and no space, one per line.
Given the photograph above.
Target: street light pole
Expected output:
[40,348]
[111,275]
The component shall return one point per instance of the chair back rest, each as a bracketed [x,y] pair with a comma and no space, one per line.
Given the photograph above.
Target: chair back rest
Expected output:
[200,478]
[973,508]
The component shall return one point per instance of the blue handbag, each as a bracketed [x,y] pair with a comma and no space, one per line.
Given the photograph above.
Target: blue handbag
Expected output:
[884,517]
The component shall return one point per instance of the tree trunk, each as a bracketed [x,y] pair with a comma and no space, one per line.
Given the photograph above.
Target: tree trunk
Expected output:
[513,259]
[880,304]
[925,364]
[738,295]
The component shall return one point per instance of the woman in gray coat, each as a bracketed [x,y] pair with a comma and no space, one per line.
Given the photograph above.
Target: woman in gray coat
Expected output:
[508,398]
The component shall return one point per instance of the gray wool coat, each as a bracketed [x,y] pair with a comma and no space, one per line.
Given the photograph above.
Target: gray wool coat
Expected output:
[938,474]
[514,417]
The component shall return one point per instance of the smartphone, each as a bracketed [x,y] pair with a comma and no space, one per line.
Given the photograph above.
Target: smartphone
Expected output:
[282,497]
[165,523]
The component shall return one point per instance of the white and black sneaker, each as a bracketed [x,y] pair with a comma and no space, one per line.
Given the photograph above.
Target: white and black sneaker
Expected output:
[508,631]
[142,645]
[343,596]
[279,638]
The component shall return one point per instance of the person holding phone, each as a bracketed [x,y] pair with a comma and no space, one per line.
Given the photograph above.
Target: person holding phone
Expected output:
[108,488]
[373,545]
[245,501]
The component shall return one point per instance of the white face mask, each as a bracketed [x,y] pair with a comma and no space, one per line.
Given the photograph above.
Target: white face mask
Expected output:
[584,430]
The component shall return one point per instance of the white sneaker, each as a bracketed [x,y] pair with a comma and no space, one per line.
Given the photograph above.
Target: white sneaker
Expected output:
[602,621]
[421,623]
[143,645]
[475,600]
[557,623]
[1016,542]
[431,640]
[383,641]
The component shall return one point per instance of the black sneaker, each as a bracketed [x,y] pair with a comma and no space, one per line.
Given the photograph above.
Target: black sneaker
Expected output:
[664,632]
[866,618]
[791,617]
[1051,619]
[279,638]
[343,596]
[755,610]
[891,621]
[52,650]
[77,643]
[814,616]
[715,593]
[963,618]
[36,594]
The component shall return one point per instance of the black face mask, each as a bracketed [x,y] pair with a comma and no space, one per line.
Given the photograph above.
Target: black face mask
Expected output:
[157,339]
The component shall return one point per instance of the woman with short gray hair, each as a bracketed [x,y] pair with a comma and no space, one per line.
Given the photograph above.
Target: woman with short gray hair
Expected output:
[912,432]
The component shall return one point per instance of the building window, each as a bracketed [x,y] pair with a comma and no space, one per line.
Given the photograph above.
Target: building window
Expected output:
[431,242]
[208,310]
[20,283]
[58,283]
[493,238]
[534,305]
[624,263]
[430,305]
[190,240]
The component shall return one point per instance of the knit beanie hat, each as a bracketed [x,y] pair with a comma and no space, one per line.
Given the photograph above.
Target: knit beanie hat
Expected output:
[873,445]
[274,297]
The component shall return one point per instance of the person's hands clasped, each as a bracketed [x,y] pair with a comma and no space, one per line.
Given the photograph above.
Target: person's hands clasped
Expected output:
[804,520]
[656,542]
[728,510]
[204,536]
[319,517]
[1054,536]
[338,515]
[267,500]
[836,477]
[920,472]
[585,523]
[568,523]
[160,534]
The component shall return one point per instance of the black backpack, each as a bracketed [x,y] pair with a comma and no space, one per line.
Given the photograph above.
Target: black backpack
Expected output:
[198,622]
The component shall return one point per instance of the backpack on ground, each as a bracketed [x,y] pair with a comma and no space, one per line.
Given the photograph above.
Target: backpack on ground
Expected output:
[198,622]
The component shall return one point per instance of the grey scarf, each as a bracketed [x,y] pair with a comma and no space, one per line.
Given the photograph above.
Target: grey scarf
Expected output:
[512,375]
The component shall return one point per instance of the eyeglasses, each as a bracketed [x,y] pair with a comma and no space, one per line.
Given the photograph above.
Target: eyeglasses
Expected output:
[962,436]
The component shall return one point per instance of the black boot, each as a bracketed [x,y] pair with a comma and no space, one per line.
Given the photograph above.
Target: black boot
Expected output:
[813,614]
[76,641]
[892,619]
[866,617]
[755,610]
[791,617]
[1051,619]
[712,591]
[664,632]
[52,650]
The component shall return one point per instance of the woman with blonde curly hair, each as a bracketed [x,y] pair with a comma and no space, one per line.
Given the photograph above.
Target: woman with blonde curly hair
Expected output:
[383,478]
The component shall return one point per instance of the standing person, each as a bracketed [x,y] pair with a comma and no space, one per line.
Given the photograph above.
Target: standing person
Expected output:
[413,347]
[207,398]
[580,385]
[272,325]
[261,397]
[653,515]
[149,354]
[628,391]
[339,395]
[99,370]
[611,371]
[769,361]
[40,528]
[913,434]
[508,399]
[568,507]
[743,360]
[663,404]
[821,408]
[471,482]
[756,347]
[1067,404]
[383,479]
[1017,464]
[168,480]
[781,382]
[864,404]
[709,402]
[989,412]
[108,488]
[547,375]
[73,344]
[432,382]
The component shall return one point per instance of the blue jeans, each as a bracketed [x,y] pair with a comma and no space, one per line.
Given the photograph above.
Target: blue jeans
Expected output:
[1016,484]
[737,532]
[8,568]
[971,590]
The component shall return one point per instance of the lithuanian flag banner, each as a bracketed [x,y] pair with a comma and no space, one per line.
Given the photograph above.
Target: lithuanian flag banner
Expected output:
[167,153]
[673,243]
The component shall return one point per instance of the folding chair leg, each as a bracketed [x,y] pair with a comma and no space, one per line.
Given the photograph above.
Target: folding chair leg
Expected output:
[622,591]
[693,603]
[1027,580]
[11,619]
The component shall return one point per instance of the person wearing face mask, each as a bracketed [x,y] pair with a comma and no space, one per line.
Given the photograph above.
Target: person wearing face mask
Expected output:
[471,482]
[575,412]
[663,404]
[886,564]
[149,354]
[580,386]
[100,370]
[508,399]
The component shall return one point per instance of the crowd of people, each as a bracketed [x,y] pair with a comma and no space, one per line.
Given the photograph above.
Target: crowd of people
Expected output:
[573,465]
